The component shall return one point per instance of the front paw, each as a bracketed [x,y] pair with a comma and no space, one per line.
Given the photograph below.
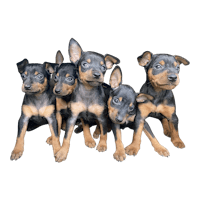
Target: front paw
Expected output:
[61,155]
[49,140]
[132,150]
[119,155]
[96,135]
[102,147]
[16,154]
[90,143]
[162,151]
[178,143]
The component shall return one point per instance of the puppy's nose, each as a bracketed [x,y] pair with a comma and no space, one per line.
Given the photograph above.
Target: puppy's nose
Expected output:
[172,77]
[57,91]
[27,87]
[96,74]
[118,119]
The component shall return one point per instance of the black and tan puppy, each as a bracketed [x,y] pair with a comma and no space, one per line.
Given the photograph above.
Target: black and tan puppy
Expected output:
[88,98]
[38,106]
[65,80]
[123,103]
[162,76]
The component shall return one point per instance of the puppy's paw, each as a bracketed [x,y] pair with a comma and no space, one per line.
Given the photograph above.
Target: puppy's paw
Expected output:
[178,143]
[16,154]
[132,150]
[96,135]
[102,147]
[61,155]
[162,151]
[49,140]
[90,143]
[119,155]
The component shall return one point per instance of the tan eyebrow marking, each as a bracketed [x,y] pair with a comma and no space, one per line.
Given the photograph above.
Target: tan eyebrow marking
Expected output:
[25,72]
[101,63]
[57,74]
[36,73]
[131,104]
[175,63]
[162,62]
[120,98]
[67,75]
[88,60]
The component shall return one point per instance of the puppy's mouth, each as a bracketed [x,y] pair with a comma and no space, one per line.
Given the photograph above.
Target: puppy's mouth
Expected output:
[31,92]
[95,83]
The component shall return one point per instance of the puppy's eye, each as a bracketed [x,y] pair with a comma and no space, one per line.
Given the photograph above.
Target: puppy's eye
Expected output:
[130,109]
[116,101]
[40,76]
[69,79]
[23,76]
[56,79]
[85,64]
[178,67]
[103,68]
[158,66]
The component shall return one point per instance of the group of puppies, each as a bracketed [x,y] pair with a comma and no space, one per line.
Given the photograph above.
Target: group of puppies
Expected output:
[67,94]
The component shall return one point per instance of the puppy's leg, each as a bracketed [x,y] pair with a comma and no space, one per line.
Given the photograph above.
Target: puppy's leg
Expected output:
[119,154]
[157,146]
[89,141]
[102,146]
[166,127]
[97,131]
[19,146]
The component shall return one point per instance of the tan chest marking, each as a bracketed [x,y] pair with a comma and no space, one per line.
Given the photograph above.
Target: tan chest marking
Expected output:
[45,111]
[96,109]
[61,104]
[164,109]
[77,107]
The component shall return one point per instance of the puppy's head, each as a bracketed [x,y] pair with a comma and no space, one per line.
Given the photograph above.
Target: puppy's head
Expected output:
[162,69]
[91,66]
[35,77]
[65,79]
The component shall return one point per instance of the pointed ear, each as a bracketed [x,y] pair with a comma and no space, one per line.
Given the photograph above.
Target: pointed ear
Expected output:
[50,67]
[59,57]
[75,50]
[145,58]
[143,97]
[21,65]
[110,61]
[116,77]
[181,60]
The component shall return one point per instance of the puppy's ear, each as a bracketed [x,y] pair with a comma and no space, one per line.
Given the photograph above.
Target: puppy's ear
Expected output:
[75,51]
[145,58]
[49,67]
[110,61]
[59,57]
[21,65]
[181,60]
[116,77]
[143,97]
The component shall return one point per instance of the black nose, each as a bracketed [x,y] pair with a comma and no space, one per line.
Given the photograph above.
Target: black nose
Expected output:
[172,77]
[27,87]
[96,74]
[118,119]
[57,91]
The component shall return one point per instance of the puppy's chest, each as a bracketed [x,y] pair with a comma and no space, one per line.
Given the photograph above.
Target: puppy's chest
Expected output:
[41,109]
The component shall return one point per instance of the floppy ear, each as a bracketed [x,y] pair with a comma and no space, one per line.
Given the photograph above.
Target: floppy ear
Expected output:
[59,57]
[181,60]
[143,97]
[75,51]
[116,77]
[145,58]
[50,67]
[110,61]
[21,65]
